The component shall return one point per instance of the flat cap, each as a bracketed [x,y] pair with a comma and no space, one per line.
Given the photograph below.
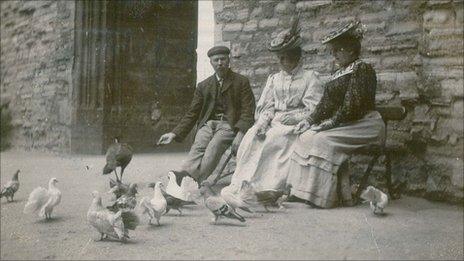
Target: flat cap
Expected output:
[218,50]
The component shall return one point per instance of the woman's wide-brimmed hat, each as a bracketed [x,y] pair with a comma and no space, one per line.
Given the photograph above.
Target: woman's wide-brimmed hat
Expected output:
[352,29]
[287,39]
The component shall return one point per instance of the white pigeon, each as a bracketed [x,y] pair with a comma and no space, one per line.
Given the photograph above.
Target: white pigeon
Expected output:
[378,200]
[43,201]
[243,199]
[10,188]
[155,207]
[187,191]
[172,188]
[190,189]
[107,223]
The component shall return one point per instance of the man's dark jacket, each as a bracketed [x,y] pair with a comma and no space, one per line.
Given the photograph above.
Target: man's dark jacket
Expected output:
[237,96]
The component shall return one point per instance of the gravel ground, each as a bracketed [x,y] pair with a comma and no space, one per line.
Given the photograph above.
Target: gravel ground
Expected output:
[412,229]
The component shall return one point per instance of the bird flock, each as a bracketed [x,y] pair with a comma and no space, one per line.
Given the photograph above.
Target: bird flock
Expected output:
[123,212]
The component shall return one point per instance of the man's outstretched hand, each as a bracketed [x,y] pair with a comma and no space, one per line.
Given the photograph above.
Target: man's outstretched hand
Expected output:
[166,138]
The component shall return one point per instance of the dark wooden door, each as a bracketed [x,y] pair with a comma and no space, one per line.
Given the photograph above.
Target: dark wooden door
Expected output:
[148,59]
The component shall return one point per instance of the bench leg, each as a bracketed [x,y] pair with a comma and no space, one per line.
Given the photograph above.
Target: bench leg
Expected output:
[388,175]
[365,177]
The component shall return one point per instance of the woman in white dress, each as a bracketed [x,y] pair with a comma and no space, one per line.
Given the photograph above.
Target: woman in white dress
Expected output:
[289,96]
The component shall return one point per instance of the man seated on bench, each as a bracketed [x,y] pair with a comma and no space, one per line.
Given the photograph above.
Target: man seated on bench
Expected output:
[223,109]
[344,120]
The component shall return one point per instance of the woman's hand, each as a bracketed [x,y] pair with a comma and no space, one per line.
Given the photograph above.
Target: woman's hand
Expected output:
[301,127]
[325,125]
[289,119]
[261,132]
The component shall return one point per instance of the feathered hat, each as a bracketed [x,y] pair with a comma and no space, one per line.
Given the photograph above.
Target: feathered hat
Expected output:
[287,39]
[354,29]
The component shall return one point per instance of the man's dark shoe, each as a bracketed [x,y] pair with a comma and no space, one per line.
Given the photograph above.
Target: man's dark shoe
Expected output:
[180,175]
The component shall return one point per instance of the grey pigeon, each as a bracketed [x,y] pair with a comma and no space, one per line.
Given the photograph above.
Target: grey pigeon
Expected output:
[273,198]
[156,206]
[117,155]
[10,188]
[107,223]
[127,201]
[377,199]
[118,188]
[44,201]
[244,199]
[217,205]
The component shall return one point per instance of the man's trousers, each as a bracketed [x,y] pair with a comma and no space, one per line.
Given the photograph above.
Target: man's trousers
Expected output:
[211,141]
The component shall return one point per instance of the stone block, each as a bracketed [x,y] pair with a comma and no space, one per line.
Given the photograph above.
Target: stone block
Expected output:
[404,28]
[457,178]
[459,17]
[452,88]
[437,2]
[250,26]
[285,7]
[245,37]
[437,18]
[458,109]
[266,23]
[257,11]
[224,17]
[242,15]
[377,17]
[235,27]
[304,6]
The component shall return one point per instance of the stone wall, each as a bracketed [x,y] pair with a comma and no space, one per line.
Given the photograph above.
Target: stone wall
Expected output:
[416,48]
[76,74]
[37,41]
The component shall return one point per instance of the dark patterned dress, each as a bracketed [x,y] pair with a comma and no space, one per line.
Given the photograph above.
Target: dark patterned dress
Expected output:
[348,96]
[349,104]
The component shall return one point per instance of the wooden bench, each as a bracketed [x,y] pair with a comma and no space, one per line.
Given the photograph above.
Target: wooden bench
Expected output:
[389,113]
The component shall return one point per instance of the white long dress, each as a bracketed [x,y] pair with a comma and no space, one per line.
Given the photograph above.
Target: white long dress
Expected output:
[265,162]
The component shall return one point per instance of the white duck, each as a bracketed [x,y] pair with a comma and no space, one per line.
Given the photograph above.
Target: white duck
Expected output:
[43,201]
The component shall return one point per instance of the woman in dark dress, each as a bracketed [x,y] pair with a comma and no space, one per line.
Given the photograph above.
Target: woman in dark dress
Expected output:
[344,120]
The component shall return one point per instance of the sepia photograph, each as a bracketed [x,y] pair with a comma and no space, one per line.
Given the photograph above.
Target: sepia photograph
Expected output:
[232,130]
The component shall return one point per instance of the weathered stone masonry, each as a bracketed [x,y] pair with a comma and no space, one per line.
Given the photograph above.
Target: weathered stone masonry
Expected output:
[37,41]
[416,48]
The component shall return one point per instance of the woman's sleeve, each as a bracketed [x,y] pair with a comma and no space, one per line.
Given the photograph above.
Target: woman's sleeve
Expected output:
[322,109]
[265,107]
[357,93]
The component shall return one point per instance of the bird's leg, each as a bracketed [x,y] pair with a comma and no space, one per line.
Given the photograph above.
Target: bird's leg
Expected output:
[101,236]
[265,207]
[180,212]
[157,221]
